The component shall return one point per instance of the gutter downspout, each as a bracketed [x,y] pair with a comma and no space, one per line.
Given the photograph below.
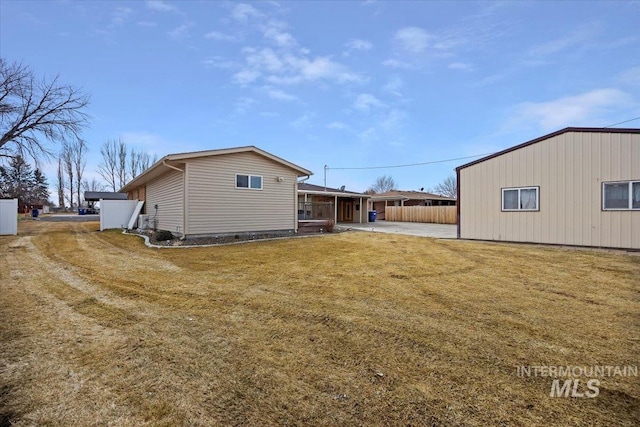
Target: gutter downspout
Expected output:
[184,196]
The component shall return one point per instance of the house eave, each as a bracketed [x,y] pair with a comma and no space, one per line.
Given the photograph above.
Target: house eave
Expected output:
[334,193]
[181,158]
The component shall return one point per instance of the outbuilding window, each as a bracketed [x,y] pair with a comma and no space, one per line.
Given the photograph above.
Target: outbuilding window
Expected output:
[520,199]
[622,195]
[253,182]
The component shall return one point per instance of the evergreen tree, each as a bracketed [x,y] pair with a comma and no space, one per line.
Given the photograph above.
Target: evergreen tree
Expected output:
[18,180]
[40,188]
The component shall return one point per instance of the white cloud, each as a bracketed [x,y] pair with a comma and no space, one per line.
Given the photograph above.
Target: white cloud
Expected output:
[462,66]
[393,86]
[630,76]
[278,94]
[357,45]
[300,69]
[242,12]
[575,38]
[302,123]
[246,76]
[337,126]
[587,109]
[146,24]
[279,38]
[368,134]
[218,36]
[412,39]
[263,59]
[393,120]
[281,61]
[218,62]
[161,6]
[244,104]
[366,101]
[181,31]
[394,63]
[120,16]
[269,114]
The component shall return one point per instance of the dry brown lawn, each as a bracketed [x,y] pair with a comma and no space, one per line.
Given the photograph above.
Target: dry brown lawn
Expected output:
[348,329]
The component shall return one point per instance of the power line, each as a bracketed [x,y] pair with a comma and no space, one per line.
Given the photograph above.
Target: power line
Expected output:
[626,121]
[410,164]
[445,160]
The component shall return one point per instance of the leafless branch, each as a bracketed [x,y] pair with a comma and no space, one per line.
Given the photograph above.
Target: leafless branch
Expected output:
[35,111]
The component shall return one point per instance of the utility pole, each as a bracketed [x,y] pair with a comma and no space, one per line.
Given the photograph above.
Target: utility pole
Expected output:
[325,177]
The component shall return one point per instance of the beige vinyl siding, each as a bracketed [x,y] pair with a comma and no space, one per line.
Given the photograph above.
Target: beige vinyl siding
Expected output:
[569,169]
[167,191]
[215,205]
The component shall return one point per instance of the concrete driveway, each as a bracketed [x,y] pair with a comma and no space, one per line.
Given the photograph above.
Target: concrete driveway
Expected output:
[69,217]
[440,231]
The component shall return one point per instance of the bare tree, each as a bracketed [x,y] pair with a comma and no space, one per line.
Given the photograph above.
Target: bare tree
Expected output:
[67,163]
[139,161]
[382,185]
[122,163]
[60,184]
[135,157]
[448,187]
[79,157]
[34,110]
[146,161]
[108,168]
[93,185]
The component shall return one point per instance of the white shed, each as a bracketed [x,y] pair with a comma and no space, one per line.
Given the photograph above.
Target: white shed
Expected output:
[8,216]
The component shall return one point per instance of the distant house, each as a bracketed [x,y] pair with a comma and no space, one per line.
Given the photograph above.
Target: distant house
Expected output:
[577,186]
[233,190]
[316,202]
[380,201]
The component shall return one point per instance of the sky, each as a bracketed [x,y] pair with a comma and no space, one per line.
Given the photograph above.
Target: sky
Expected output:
[338,83]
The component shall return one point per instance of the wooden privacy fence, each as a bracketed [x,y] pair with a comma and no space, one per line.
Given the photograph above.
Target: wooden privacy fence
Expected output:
[432,214]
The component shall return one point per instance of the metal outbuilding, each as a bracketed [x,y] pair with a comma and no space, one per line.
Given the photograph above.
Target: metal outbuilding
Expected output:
[576,186]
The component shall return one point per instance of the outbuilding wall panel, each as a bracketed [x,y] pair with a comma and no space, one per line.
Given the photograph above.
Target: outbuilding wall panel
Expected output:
[569,169]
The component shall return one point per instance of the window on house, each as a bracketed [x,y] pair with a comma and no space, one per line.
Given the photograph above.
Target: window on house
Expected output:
[621,195]
[520,199]
[249,181]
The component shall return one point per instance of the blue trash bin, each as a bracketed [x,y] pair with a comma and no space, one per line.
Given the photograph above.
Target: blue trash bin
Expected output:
[34,213]
[82,212]
[372,216]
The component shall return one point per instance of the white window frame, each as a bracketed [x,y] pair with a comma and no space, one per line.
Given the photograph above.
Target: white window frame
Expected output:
[249,176]
[630,189]
[537,209]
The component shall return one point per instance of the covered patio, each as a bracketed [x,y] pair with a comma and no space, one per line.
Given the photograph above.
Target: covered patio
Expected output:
[320,204]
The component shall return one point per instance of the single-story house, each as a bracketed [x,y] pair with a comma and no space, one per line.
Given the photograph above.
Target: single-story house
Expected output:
[380,201]
[576,186]
[316,202]
[224,191]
